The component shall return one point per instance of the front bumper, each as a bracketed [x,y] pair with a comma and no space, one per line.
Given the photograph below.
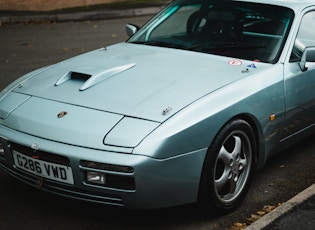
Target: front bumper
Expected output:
[152,183]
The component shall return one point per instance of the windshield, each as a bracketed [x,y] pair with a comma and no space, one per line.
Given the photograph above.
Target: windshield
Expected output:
[251,31]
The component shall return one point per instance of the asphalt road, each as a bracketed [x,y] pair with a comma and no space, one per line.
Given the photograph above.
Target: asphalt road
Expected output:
[26,47]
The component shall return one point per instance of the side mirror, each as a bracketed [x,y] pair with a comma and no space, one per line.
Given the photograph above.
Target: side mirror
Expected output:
[308,56]
[131,29]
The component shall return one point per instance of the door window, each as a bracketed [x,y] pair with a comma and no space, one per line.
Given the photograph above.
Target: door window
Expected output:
[305,37]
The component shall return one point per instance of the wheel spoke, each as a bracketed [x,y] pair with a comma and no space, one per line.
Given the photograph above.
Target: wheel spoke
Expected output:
[225,156]
[237,148]
[222,181]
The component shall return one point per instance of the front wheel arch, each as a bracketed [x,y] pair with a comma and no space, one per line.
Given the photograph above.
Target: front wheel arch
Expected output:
[228,167]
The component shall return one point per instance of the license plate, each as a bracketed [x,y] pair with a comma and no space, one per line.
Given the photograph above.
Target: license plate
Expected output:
[44,169]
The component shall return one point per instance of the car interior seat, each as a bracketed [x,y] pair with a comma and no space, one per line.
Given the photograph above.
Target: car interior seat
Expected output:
[215,25]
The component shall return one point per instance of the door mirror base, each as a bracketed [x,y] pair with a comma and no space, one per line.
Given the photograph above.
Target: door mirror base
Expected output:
[308,56]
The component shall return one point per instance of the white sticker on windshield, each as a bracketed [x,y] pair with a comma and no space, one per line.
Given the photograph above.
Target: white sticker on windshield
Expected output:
[235,62]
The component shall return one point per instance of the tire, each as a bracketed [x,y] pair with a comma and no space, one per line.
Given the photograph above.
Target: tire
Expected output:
[228,168]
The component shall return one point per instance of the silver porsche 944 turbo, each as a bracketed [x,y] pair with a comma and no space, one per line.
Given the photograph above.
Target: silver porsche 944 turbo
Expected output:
[183,112]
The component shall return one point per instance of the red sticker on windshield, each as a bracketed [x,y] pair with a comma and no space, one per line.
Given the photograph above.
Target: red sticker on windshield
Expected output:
[235,62]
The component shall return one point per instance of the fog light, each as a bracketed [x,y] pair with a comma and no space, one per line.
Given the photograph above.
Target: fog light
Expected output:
[96,178]
[2,152]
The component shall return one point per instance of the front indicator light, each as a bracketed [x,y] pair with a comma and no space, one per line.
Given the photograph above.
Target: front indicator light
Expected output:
[107,167]
[96,178]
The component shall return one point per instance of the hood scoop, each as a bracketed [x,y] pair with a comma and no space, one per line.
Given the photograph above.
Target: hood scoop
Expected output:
[89,80]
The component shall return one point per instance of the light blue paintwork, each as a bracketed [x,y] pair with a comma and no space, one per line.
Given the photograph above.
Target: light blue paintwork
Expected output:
[157,110]
[149,92]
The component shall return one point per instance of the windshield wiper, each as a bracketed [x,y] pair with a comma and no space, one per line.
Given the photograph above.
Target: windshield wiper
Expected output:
[224,45]
[160,44]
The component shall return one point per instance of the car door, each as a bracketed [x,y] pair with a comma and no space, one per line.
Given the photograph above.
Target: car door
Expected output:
[300,84]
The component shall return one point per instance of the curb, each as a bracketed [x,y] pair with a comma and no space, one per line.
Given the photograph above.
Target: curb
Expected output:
[80,16]
[282,209]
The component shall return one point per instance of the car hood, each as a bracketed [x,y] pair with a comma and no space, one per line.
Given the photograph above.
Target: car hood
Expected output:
[140,81]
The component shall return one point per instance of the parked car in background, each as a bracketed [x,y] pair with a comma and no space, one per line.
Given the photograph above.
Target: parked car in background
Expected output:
[183,112]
